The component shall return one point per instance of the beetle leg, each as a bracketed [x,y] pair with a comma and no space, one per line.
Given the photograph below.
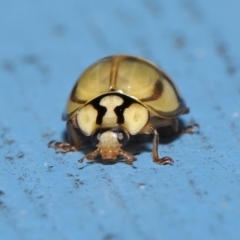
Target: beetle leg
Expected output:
[190,128]
[150,129]
[156,158]
[62,146]
[72,134]
[175,125]
[177,128]
[90,156]
[75,143]
[129,158]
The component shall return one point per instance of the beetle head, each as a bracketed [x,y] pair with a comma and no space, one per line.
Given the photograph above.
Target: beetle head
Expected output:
[110,141]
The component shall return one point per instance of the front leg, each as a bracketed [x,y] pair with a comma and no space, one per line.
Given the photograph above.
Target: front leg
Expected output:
[129,158]
[90,156]
[75,142]
[150,129]
[156,157]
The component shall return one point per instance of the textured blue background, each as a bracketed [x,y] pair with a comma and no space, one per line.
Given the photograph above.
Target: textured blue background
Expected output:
[44,46]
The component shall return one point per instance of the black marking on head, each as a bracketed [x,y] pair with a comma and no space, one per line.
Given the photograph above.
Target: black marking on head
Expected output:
[101,109]
[119,110]
[101,112]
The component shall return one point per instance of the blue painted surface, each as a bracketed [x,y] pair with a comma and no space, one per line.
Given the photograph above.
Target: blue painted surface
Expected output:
[44,46]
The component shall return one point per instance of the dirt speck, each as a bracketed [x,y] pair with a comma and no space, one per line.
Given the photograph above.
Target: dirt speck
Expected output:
[192,9]
[191,182]
[49,168]
[20,155]
[223,52]
[30,59]
[153,7]
[8,66]
[180,42]
[58,30]
[77,183]
[48,135]
[2,205]
[8,141]
[9,158]
[28,191]
[109,237]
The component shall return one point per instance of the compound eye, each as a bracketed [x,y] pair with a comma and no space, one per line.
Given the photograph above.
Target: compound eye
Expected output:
[123,137]
[96,137]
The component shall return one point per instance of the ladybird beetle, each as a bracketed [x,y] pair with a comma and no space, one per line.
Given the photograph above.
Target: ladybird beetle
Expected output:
[115,98]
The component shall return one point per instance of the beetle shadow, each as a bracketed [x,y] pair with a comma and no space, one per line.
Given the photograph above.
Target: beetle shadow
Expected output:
[143,142]
[137,144]
[99,160]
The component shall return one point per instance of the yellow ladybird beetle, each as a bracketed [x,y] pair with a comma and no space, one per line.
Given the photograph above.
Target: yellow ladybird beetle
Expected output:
[115,98]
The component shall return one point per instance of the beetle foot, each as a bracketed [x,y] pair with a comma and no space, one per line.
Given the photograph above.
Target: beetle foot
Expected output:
[192,128]
[62,146]
[129,158]
[164,160]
